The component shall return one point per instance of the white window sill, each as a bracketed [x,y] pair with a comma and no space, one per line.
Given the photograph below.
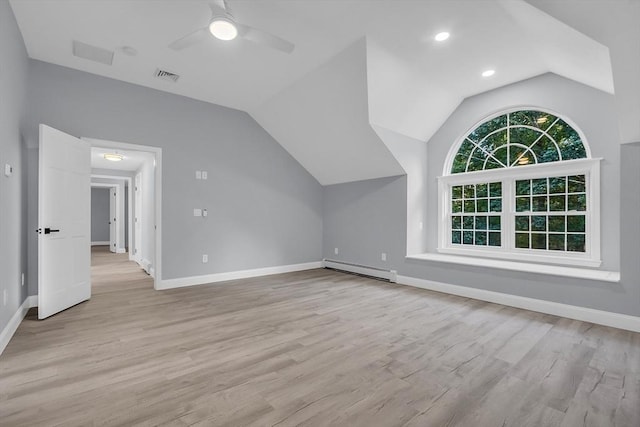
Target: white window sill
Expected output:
[554,270]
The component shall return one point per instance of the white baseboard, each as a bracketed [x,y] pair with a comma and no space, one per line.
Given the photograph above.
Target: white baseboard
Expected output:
[121,250]
[234,275]
[600,317]
[100,243]
[390,275]
[12,326]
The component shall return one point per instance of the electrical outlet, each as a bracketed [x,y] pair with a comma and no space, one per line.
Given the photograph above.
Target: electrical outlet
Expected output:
[197,212]
[205,258]
[335,251]
[383,256]
[204,174]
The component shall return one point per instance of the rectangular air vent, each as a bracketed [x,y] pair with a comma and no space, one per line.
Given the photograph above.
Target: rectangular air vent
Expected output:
[92,53]
[166,75]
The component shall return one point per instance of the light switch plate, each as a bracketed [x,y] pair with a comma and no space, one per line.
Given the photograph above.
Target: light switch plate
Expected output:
[198,175]
[8,170]
[204,212]
[204,174]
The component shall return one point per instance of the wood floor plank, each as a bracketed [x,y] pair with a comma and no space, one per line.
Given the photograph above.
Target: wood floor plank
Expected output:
[313,348]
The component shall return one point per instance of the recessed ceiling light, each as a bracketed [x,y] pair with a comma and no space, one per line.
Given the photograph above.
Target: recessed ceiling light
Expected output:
[223,29]
[114,157]
[488,73]
[440,37]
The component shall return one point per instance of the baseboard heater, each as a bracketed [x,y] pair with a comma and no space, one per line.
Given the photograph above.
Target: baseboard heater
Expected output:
[363,270]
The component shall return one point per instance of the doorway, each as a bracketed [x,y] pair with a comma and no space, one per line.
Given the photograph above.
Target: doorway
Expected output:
[136,172]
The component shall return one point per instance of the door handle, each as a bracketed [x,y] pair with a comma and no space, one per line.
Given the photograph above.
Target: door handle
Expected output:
[47,230]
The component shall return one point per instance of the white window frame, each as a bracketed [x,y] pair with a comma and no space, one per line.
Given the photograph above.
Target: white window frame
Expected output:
[508,176]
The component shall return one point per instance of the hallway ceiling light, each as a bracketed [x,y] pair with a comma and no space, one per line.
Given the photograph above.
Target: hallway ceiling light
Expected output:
[488,73]
[440,37]
[114,157]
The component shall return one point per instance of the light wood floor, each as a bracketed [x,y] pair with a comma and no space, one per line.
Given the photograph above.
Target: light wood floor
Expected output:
[310,348]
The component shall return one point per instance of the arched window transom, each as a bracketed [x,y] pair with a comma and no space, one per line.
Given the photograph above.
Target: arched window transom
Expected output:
[518,138]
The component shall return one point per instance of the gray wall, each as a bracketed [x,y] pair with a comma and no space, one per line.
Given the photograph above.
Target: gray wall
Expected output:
[264,208]
[13,84]
[366,217]
[363,219]
[99,214]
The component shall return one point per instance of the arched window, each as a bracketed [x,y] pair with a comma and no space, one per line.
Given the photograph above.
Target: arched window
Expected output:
[522,185]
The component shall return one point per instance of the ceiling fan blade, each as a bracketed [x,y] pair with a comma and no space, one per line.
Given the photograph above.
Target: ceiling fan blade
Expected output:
[190,39]
[218,8]
[262,37]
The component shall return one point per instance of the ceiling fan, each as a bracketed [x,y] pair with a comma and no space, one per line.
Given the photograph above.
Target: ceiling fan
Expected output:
[224,26]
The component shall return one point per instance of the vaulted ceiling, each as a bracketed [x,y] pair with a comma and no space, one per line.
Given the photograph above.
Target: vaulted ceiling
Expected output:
[358,65]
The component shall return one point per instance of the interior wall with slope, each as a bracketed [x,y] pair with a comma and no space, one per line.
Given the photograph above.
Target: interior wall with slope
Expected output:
[264,208]
[386,223]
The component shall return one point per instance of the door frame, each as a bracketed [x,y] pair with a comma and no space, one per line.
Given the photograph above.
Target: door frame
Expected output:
[129,209]
[109,187]
[136,231]
[157,152]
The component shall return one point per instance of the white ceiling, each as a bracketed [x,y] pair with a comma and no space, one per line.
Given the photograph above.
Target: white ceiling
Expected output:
[132,160]
[412,83]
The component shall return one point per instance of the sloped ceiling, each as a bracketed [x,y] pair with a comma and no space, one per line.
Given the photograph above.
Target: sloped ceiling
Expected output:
[615,24]
[322,120]
[357,63]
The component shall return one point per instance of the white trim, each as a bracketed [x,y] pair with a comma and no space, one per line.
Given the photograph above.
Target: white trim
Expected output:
[553,270]
[540,170]
[233,275]
[589,167]
[100,243]
[13,324]
[600,317]
[390,275]
[121,250]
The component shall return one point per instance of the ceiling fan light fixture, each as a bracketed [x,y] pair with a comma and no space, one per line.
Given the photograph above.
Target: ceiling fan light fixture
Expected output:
[114,157]
[442,36]
[223,29]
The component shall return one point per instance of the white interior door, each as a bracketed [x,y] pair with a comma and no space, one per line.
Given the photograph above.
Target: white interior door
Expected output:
[113,209]
[64,218]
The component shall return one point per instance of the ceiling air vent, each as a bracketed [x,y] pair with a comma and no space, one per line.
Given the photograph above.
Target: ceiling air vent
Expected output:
[92,53]
[166,75]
